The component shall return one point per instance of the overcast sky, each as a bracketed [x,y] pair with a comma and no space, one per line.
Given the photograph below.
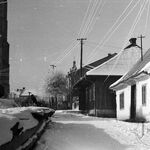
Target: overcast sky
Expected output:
[40,31]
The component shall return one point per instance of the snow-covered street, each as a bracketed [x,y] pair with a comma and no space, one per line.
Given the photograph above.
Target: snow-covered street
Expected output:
[78,132]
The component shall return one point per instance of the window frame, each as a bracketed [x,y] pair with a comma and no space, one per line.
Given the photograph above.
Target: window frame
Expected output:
[144,94]
[121,100]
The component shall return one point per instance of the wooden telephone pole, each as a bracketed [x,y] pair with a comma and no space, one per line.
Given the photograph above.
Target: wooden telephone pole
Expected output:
[141,37]
[81,56]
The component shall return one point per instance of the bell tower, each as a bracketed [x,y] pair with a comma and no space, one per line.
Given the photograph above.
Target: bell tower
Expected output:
[4,50]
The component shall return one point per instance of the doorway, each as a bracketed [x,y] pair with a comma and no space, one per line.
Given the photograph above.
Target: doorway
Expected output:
[133,102]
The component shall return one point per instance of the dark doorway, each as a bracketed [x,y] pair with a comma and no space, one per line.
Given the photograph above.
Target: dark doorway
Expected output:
[2,91]
[133,102]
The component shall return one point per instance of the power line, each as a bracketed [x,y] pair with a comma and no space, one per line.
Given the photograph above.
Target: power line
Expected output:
[85,16]
[60,60]
[147,16]
[90,29]
[92,18]
[68,51]
[129,34]
[112,30]
[139,14]
[86,25]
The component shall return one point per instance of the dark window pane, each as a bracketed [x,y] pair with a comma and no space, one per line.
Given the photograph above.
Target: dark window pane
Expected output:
[144,95]
[121,100]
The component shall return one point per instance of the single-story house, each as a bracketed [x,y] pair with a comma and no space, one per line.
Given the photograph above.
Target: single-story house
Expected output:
[77,83]
[99,99]
[132,92]
[81,83]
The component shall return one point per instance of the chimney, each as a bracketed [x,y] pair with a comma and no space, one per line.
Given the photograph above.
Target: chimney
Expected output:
[132,43]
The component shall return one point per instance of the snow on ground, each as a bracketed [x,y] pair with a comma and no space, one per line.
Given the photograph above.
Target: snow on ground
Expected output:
[9,117]
[126,133]
[67,127]
[6,122]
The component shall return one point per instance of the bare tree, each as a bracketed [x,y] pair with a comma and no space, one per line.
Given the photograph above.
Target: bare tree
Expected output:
[56,84]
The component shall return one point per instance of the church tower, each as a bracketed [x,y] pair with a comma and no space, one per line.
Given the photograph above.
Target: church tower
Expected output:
[4,50]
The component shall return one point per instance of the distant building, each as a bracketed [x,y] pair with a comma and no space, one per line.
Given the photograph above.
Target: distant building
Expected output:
[4,50]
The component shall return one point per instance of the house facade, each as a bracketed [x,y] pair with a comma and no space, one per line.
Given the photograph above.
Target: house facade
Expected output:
[81,88]
[99,98]
[132,92]
[106,74]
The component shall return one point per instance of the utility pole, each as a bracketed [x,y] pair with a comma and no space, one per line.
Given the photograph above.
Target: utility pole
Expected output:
[53,67]
[81,57]
[141,37]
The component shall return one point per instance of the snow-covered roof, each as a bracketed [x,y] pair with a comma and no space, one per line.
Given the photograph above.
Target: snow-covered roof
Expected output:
[137,69]
[119,64]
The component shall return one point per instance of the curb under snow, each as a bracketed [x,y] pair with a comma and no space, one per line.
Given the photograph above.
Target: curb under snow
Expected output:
[32,140]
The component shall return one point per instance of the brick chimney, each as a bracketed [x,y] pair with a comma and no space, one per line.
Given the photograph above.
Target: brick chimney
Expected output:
[132,43]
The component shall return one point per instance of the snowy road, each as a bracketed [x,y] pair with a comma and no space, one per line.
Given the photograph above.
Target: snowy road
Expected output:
[76,132]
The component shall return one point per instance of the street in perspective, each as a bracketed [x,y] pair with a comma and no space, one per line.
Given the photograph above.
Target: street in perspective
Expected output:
[74,74]
[77,131]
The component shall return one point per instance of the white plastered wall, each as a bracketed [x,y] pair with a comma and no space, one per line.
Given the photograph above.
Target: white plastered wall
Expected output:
[123,114]
[140,109]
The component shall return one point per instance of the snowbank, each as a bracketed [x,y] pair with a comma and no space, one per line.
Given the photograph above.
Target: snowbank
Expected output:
[10,116]
[6,122]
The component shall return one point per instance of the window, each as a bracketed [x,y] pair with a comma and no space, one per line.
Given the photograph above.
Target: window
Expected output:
[93,91]
[122,101]
[144,95]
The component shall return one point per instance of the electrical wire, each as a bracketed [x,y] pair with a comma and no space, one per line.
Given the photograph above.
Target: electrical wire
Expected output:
[147,17]
[129,34]
[91,28]
[87,25]
[107,38]
[69,49]
[112,30]
[66,51]
[91,20]
[139,14]
[85,16]
[90,16]
[59,61]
